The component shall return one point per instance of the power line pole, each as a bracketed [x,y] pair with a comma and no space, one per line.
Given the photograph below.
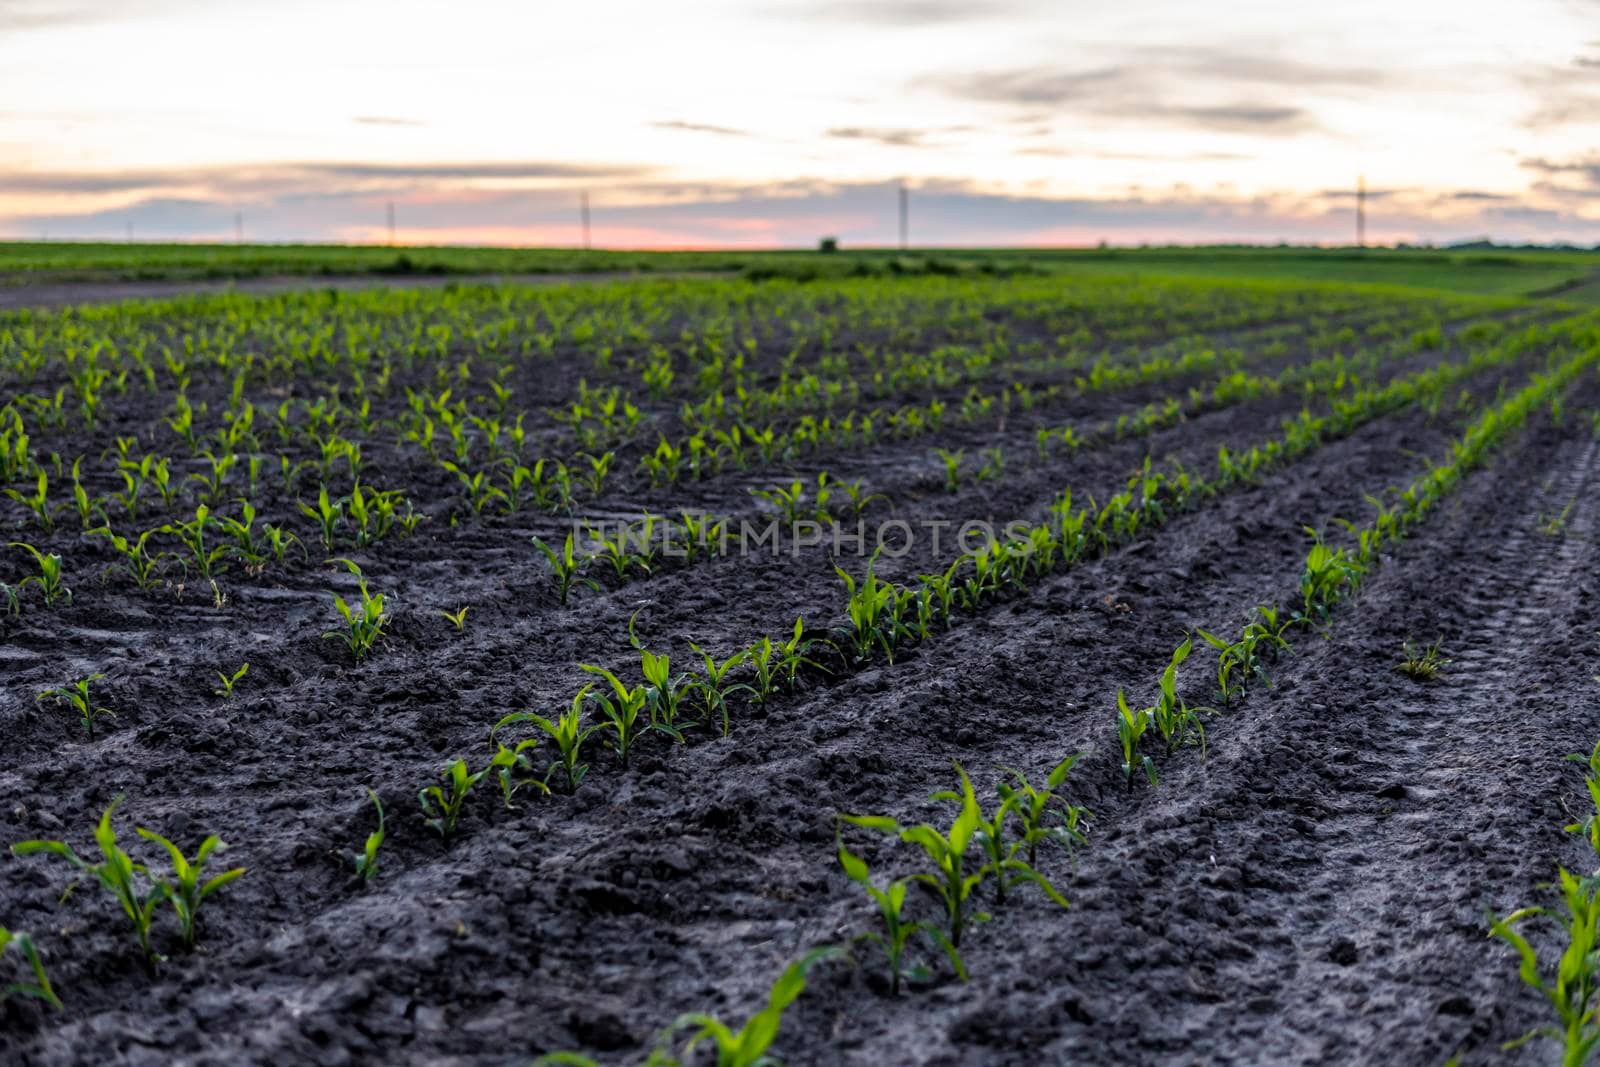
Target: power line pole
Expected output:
[583,216]
[391,224]
[905,218]
[1361,211]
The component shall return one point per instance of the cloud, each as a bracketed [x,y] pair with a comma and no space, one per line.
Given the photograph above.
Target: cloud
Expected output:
[282,178]
[701,127]
[386,120]
[54,14]
[1131,93]
[893,136]
[903,13]
[794,213]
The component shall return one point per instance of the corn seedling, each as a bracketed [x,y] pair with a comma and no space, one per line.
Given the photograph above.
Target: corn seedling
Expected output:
[594,479]
[1243,660]
[1131,728]
[946,852]
[37,502]
[40,988]
[185,888]
[747,1046]
[1423,663]
[364,621]
[442,809]
[713,686]
[366,861]
[228,681]
[506,764]
[897,929]
[874,608]
[192,535]
[567,566]
[49,577]
[1043,815]
[567,732]
[1330,575]
[116,873]
[77,697]
[952,467]
[1174,720]
[1589,825]
[624,713]
[457,618]
[1571,989]
[326,514]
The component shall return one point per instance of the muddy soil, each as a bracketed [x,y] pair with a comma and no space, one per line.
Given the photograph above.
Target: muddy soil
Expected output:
[1311,890]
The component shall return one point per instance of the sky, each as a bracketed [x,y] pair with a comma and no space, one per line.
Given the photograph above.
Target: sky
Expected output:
[772,123]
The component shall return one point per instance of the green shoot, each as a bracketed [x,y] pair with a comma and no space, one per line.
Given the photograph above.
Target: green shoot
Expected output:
[117,874]
[364,621]
[747,1046]
[229,681]
[946,852]
[39,988]
[568,734]
[1571,990]
[49,577]
[1035,806]
[1423,664]
[457,618]
[77,697]
[952,467]
[1131,727]
[897,930]
[567,566]
[442,809]
[185,888]
[366,861]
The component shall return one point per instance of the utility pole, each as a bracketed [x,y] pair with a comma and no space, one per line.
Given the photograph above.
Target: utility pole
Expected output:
[905,217]
[1361,211]
[391,224]
[583,216]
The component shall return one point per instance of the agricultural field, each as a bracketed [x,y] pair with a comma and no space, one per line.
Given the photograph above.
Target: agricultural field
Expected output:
[901,669]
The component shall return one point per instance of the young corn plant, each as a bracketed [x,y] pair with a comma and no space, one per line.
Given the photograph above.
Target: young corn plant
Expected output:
[506,765]
[950,878]
[48,579]
[192,535]
[1044,816]
[76,696]
[440,808]
[714,686]
[1243,661]
[1330,575]
[1571,989]
[624,713]
[363,621]
[326,514]
[228,681]
[1174,720]
[952,467]
[366,861]
[40,988]
[1589,825]
[457,618]
[116,873]
[898,931]
[875,618]
[37,502]
[1131,728]
[187,887]
[1421,663]
[567,566]
[747,1046]
[568,733]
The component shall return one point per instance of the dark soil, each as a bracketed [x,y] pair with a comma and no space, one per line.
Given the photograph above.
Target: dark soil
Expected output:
[1313,890]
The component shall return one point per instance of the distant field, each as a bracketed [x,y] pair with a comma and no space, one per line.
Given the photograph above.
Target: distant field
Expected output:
[1571,274]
